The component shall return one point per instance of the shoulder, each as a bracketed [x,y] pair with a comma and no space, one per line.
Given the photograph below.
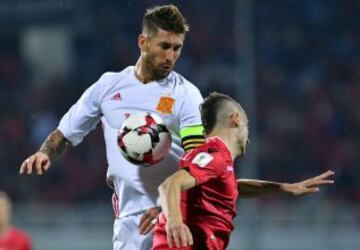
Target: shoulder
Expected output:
[184,84]
[205,154]
[20,235]
[108,81]
[109,78]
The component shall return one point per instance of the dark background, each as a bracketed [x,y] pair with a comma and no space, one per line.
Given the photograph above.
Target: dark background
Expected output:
[301,86]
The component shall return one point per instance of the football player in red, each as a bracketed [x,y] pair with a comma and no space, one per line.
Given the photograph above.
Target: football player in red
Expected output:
[201,217]
[11,238]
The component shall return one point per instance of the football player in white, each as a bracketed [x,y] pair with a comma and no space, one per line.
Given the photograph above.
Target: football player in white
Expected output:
[151,85]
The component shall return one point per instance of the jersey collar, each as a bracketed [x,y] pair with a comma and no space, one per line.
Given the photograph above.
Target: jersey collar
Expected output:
[163,81]
[222,143]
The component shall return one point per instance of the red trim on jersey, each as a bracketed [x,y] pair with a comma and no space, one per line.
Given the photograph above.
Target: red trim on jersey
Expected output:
[115,205]
[110,184]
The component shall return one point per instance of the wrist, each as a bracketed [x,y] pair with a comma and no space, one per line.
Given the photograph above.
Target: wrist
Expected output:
[46,153]
[174,218]
[287,188]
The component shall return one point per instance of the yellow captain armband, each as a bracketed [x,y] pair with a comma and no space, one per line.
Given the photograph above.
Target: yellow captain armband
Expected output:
[192,137]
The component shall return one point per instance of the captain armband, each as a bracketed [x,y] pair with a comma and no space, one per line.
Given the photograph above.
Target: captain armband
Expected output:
[192,137]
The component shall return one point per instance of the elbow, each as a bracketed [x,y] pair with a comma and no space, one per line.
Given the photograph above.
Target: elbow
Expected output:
[171,184]
[164,186]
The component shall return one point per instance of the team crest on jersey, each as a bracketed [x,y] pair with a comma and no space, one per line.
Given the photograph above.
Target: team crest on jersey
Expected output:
[202,159]
[165,105]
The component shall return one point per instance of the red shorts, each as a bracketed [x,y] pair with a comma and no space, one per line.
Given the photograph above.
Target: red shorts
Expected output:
[204,239]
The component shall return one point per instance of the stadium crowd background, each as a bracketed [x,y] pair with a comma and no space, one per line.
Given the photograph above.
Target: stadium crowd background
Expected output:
[307,86]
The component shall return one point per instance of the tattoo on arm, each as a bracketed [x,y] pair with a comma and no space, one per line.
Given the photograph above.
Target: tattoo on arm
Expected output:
[55,145]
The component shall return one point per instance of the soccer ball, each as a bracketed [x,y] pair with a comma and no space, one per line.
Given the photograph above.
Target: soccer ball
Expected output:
[144,139]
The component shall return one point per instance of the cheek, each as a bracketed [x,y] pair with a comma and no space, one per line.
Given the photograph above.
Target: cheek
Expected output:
[161,54]
[150,57]
[177,54]
[157,55]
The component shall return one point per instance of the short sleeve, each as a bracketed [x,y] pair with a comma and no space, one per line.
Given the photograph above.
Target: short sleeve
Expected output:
[204,166]
[190,109]
[83,116]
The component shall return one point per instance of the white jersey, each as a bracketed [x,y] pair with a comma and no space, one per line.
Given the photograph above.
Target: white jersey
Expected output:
[114,97]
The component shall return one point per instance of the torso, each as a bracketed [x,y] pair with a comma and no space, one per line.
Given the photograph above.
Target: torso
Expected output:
[214,201]
[113,98]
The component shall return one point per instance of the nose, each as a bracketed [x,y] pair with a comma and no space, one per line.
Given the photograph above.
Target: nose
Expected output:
[170,55]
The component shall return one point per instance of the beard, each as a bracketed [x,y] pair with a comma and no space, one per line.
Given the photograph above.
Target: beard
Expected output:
[154,72]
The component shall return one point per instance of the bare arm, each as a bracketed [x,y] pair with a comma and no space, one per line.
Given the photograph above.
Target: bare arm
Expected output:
[249,188]
[54,146]
[170,193]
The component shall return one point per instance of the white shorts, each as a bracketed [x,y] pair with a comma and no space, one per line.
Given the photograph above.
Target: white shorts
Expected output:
[126,234]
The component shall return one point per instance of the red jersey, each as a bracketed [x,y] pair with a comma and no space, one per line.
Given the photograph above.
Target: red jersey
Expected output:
[15,239]
[209,207]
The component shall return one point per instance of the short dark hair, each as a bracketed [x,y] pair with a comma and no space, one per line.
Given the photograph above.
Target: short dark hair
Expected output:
[166,17]
[211,107]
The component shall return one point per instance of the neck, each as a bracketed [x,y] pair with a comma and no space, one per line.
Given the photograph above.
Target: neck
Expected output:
[142,72]
[228,138]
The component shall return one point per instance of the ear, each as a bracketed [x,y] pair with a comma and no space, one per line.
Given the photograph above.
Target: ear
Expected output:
[235,119]
[141,41]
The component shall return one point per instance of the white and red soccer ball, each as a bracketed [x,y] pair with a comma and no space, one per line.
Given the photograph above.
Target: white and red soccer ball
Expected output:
[144,139]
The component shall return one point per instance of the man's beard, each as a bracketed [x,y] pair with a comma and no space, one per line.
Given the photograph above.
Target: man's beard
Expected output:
[154,73]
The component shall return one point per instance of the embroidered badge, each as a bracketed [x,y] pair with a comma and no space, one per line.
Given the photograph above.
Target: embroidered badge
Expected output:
[165,105]
[202,159]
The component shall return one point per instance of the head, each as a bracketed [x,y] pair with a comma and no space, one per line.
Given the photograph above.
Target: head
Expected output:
[220,112]
[5,210]
[161,41]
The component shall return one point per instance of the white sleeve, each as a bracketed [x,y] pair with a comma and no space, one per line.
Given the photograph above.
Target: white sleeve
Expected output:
[190,109]
[83,116]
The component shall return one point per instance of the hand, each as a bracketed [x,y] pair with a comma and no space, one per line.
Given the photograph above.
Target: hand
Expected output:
[177,231]
[39,161]
[149,219]
[310,185]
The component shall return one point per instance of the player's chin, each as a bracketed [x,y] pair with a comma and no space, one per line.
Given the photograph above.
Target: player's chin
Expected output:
[162,73]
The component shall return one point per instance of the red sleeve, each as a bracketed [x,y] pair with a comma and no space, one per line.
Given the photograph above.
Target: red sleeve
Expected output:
[204,166]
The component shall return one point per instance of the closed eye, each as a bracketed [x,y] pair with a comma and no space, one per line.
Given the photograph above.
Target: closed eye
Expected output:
[165,46]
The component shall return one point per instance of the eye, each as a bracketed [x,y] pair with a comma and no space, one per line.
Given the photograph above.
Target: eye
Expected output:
[165,46]
[177,48]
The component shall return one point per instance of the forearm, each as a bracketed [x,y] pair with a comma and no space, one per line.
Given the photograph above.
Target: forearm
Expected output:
[249,188]
[170,193]
[55,145]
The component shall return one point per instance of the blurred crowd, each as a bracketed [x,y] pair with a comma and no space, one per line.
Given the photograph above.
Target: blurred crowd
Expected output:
[307,89]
